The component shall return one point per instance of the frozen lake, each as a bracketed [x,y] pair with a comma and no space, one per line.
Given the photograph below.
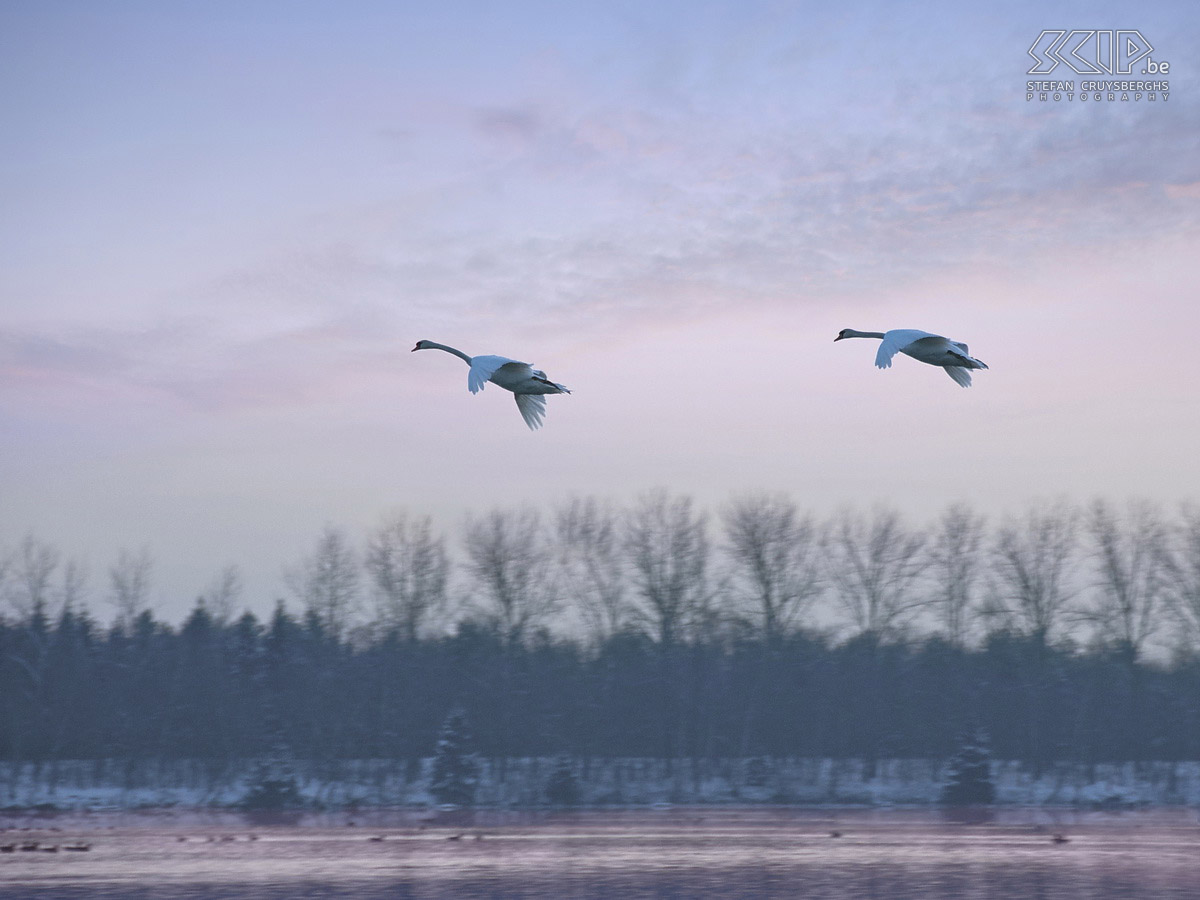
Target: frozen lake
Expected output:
[672,853]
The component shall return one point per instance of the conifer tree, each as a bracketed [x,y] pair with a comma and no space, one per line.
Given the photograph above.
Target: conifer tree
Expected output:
[562,788]
[273,784]
[970,781]
[455,768]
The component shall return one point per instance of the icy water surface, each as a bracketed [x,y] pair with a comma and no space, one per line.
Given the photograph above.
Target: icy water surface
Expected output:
[677,853]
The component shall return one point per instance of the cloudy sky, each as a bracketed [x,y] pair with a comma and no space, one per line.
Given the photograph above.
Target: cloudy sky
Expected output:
[225,224]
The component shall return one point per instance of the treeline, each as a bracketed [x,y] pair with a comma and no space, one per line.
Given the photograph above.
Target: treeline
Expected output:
[650,630]
[72,690]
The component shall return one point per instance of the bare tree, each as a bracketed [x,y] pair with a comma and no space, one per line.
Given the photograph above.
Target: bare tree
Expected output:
[26,579]
[74,584]
[775,554]
[31,570]
[592,565]
[408,568]
[509,565]
[666,543]
[223,594]
[874,565]
[6,567]
[1032,561]
[1131,559]
[326,583]
[129,585]
[1182,592]
[30,595]
[955,557]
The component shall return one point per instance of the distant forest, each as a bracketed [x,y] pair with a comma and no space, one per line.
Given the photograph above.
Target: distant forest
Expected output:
[655,629]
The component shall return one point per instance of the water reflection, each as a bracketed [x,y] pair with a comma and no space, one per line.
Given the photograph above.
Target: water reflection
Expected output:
[753,854]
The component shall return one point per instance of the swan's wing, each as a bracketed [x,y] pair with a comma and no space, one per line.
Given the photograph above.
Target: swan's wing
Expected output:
[960,375]
[484,367]
[896,340]
[533,409]
[960,347]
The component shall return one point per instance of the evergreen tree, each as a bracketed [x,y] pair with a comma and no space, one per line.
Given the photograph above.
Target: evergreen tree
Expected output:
[455,768]
[562,787]
[970,781]
[273,785]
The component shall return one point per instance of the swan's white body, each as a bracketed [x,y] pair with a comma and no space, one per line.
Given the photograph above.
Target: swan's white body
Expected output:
[528,385]
[934,349]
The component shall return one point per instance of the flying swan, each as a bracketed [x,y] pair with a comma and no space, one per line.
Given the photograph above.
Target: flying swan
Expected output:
[929,348]
[529,386]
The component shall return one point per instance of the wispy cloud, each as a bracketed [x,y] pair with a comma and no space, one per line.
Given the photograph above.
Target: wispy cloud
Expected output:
[784,210]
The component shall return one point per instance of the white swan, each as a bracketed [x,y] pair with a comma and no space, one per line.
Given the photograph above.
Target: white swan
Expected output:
[929,348]
[527,384]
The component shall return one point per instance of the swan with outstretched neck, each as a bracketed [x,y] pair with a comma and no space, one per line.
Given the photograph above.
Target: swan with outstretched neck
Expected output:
[933,349]
[528,385]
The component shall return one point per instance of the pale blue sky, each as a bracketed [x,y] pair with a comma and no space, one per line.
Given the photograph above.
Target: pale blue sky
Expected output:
[225,225]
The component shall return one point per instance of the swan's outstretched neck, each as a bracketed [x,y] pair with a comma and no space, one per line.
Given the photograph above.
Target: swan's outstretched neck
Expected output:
[434,345]
[850,332]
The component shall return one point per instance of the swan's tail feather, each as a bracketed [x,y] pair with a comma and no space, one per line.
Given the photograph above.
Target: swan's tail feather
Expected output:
[970,362]
[550,387]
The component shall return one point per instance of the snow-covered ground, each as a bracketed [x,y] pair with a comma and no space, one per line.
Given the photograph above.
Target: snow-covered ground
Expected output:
[124,784]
